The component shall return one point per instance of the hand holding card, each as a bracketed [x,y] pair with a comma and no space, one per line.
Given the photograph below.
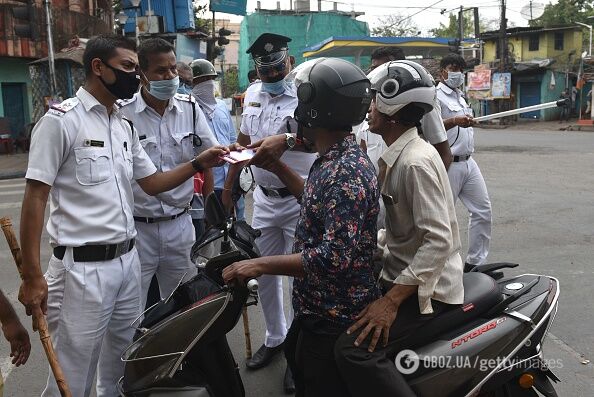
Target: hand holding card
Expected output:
[239,156]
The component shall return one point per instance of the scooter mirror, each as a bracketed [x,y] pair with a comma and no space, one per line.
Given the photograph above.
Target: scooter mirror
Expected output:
[213,210]
[246,180]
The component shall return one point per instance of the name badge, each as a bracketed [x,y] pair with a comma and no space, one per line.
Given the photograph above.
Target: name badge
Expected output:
[93,143]
[254,104]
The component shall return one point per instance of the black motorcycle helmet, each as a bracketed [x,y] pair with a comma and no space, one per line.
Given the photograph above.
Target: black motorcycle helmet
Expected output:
[332,94]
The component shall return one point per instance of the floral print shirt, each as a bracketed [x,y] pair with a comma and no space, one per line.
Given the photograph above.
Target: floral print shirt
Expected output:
[336,235]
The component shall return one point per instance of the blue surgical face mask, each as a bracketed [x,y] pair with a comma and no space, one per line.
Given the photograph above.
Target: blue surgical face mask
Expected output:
[275,88]
[184,89]
[163,89]
[455,79]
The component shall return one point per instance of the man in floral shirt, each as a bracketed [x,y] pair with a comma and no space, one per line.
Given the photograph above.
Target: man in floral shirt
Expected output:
[336,231]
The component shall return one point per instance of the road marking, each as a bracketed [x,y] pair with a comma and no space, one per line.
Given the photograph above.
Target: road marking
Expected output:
[12,185]
[8,206]
[11,193]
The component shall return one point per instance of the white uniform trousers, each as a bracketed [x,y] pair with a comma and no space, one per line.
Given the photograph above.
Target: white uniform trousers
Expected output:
[164,249]
[468,184]
[276,218]
[90,308]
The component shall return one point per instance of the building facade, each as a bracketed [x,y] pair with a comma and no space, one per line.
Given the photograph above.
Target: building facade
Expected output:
[69,18]
[543,62]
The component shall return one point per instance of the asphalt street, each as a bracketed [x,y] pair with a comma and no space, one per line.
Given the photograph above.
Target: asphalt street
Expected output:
[542,190]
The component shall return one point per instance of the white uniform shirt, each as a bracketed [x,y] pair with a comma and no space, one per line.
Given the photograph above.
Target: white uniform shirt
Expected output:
[453,104]
[168,141]
[432,124]
[264,116]
[90,159]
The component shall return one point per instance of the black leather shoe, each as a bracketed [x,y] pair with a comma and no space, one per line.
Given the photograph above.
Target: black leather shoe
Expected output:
[288,382]
[263,356]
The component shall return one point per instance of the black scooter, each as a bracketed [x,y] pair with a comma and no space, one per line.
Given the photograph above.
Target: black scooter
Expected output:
[180,348]
[492,345]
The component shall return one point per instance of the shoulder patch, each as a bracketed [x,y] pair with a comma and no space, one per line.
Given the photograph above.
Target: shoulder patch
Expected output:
[124,102]
[185,98]
[64,107]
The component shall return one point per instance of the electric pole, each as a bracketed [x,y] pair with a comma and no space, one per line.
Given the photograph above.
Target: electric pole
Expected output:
[502,39]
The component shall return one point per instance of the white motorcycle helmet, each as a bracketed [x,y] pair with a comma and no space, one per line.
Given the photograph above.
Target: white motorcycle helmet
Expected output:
[400,83]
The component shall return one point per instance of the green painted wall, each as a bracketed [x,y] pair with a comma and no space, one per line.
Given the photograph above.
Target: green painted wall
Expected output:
[304,30]
[16,70]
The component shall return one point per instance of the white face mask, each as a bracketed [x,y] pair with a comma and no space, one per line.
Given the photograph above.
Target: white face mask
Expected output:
[455,79]
[205,95]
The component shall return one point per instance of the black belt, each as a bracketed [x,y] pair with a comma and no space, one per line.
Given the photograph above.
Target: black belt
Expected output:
[161,219]
[276,193]
[457,159]
[96,253]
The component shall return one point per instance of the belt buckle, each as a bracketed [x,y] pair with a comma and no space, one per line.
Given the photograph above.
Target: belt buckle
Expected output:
[273,193]
[119,249]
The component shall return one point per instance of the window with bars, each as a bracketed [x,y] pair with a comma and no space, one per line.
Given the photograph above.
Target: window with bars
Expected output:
[559,41]
[533,42]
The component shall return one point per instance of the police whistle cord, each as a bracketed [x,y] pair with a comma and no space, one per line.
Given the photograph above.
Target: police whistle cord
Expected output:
[38,316]
[560,103]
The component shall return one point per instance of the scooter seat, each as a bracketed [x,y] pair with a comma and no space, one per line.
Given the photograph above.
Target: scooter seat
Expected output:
[481,293]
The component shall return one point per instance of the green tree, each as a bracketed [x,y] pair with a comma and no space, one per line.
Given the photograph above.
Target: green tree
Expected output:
[395,25]
[203,25]
[451,29]
[565,12]
[230,82]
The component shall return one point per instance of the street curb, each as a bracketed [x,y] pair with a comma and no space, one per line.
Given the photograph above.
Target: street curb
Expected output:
[12,175]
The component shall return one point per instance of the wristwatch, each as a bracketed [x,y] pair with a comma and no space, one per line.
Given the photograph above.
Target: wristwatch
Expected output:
[290,141]
[196,165]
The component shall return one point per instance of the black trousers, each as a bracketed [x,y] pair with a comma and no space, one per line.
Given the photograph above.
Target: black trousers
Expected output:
[309,349]
[374,374]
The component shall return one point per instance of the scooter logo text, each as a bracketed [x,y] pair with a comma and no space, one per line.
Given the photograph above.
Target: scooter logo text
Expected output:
[478,332]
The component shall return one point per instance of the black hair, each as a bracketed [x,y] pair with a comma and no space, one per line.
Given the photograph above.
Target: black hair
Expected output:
[453,59]
[391,53]
[104,47]
[252,74]
[410,115]
[152,46]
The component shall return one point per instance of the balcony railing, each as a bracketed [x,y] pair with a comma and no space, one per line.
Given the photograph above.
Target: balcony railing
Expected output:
[65,24]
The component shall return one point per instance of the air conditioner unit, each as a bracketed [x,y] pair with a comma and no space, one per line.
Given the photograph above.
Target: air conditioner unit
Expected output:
[150,24]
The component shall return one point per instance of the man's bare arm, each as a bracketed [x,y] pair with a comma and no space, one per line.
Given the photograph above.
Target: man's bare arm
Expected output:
[443,148]
[33,292]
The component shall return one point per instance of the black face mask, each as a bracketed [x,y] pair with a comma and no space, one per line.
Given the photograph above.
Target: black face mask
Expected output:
[125,85]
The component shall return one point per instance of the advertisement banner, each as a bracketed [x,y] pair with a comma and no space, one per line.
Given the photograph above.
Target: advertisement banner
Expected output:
[479,80]
[236,7]
[501,85]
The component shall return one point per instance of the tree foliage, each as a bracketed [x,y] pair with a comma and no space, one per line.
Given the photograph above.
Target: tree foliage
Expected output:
[203,25]
[565,12]
[451,29]
[395,25]
[230,84]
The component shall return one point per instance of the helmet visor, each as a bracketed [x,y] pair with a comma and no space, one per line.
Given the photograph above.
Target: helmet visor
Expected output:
[301,73]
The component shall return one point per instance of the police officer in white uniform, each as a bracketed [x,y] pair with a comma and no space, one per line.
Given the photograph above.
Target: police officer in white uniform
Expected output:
[172,130]
[466,179]
[84,157]
[269,106]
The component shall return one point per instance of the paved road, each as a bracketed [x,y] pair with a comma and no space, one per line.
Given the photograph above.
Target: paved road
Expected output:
[541,186]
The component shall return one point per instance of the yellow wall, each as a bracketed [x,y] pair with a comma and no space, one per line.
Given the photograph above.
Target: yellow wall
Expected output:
[546,49]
